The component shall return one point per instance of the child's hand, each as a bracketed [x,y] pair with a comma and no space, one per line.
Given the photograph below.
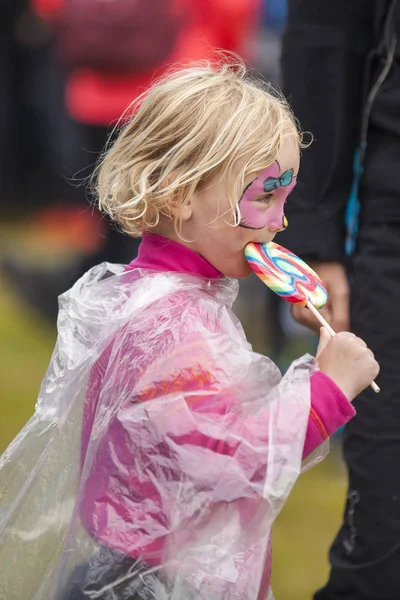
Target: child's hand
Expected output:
[346,359]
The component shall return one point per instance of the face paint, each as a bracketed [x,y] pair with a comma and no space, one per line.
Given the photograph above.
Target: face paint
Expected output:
[255,206]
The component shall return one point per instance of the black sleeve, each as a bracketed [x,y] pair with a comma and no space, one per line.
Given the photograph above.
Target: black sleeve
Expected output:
[325,46]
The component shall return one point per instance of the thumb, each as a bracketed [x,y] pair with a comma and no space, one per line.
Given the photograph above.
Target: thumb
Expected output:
[340,306]
[324,339]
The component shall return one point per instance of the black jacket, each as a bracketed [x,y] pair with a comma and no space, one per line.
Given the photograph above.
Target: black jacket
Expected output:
[333,54]
[10,10]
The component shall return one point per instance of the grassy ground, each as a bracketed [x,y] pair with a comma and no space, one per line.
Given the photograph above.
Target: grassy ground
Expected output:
[25,348]
[304,529]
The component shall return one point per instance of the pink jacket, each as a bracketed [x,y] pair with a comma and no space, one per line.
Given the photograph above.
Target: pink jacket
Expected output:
[105,508]
[330,409]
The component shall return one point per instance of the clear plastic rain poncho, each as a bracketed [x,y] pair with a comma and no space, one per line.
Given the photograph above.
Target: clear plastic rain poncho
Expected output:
[161,450]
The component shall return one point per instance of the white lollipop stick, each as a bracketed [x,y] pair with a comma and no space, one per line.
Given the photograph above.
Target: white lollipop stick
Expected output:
[325,324]
[320,318]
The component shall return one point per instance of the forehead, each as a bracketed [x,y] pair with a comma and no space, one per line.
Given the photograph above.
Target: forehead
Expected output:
[289,156]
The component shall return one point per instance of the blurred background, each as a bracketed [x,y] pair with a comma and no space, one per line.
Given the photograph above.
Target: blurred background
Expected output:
[58,102]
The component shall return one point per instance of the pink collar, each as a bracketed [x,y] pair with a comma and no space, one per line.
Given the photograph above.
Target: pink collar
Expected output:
[158,253]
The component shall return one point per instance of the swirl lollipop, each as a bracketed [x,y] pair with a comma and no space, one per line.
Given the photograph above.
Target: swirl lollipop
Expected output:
[291,278]
[286,274]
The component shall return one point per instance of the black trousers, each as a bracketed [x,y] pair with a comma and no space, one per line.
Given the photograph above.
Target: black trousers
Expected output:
[365,556]
[111,576]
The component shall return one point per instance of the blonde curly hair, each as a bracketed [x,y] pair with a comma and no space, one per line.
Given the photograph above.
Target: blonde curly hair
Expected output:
[193,125]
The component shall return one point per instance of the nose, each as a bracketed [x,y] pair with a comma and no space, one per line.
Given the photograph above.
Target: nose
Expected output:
[276,227]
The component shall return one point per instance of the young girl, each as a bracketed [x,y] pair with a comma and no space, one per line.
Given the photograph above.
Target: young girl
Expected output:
[163,447]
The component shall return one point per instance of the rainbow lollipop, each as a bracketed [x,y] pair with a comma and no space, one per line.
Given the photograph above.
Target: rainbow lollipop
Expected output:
[286,274]
[291,278]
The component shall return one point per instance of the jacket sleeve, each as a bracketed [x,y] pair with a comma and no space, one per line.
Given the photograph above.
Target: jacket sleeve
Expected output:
[330,410]
[232,419]
[323,60]
[48,9]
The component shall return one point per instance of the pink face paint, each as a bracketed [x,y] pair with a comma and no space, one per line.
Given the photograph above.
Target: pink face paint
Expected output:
[256,213]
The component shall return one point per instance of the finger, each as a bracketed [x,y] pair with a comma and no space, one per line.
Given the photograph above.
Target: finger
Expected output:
[340,307]
[347,335]
[376,369]
[324,339]
[361,342]
[305,317]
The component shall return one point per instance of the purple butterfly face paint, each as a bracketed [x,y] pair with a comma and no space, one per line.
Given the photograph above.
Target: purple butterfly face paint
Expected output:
[258,207]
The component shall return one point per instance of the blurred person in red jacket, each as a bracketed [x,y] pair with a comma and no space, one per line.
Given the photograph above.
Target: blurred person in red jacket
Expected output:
[95,98]
[99,97]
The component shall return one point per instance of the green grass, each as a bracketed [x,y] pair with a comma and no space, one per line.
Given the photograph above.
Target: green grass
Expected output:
[25,347]
[305,529]
[306,525]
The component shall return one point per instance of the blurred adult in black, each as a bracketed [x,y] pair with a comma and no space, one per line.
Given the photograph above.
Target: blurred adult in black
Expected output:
[341,73]
[29,94]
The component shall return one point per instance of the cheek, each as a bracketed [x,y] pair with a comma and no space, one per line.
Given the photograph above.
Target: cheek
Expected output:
[253,214]
[257,216]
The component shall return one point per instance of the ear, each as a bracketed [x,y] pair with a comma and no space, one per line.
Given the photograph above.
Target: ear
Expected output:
[182,212]
[177,210]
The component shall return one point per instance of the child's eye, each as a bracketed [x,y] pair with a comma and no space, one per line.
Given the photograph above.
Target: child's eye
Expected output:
[265,198]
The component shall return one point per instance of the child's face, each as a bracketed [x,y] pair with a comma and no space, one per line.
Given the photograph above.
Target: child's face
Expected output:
[262,214]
